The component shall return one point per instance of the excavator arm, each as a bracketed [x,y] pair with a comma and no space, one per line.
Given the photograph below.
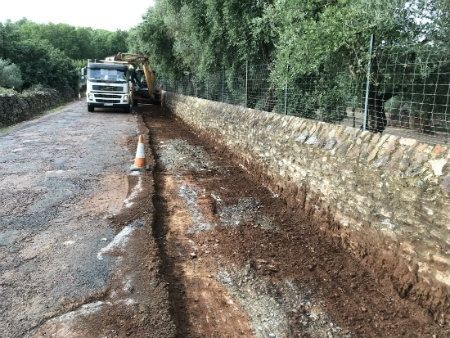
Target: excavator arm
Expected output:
[141,60]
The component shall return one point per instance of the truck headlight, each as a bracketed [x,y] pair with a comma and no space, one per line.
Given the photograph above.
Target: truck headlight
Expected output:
[125,98]
[90,96]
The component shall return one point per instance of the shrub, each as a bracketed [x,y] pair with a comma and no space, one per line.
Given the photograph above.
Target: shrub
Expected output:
[10,75]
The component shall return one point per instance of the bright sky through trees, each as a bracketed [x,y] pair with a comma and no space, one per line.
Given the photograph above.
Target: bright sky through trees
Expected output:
[110,15]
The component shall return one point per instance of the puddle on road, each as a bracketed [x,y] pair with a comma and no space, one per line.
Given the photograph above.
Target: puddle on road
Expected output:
[17,150]
[59,171]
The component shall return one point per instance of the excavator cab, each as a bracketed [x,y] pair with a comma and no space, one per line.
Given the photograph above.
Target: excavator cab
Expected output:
[143,78]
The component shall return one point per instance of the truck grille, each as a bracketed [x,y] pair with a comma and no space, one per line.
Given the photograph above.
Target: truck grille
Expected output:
[107,101]
[107,88]
[108,96]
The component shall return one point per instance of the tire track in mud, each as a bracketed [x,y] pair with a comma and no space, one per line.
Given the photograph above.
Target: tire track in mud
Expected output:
[238,262]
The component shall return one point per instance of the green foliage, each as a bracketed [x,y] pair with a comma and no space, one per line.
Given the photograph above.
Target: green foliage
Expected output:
[78,43]
[44,64]
[151,37]
[7,91]
[326,40]
[10,75]
[202,36]
[52,54]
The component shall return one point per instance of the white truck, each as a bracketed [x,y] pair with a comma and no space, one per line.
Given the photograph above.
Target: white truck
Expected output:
[120,81]
[107,85]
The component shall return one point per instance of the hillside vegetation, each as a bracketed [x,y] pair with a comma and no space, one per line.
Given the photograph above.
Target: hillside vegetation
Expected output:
[49,55]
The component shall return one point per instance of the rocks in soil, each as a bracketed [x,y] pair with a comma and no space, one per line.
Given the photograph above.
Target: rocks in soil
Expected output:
[264,267]
[247,210]
[282,309]
[190,196]
[178,155]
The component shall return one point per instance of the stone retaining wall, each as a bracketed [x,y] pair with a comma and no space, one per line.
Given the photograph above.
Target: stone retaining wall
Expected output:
[15,108]
[387,198]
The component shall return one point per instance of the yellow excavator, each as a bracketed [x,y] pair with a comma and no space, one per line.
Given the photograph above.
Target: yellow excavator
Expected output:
[120,81]
[144,88]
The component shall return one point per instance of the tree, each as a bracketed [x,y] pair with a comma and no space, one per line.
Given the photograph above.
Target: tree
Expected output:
[9,38]
[78,43]
[318,48]
[41,63]
[46,54]
[10,75]
[203,36]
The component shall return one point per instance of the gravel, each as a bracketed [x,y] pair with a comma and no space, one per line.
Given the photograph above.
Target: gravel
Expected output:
[178,155]
[275,308]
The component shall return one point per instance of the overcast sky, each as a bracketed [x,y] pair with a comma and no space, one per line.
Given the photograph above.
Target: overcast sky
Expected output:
[106,14]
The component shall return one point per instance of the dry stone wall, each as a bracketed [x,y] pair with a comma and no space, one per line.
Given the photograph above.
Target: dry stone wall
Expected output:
[386,198]
[15,108]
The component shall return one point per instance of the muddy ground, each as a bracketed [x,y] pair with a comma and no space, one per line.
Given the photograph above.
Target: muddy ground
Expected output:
[240,263]
[194,247]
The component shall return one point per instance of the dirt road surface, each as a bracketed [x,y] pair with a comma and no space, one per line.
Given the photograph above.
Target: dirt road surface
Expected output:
[195,247]
[240,263]
[75,244]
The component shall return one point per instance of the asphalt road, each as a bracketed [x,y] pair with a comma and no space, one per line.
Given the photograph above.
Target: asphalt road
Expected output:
[61,178]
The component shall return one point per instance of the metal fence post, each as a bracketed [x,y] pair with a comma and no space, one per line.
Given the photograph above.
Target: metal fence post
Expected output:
[222,76]
[194,86]
[189,85]
[246,83]
[286,93]
[366,99]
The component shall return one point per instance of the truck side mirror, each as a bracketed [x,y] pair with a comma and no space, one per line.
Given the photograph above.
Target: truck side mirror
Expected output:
[83,71]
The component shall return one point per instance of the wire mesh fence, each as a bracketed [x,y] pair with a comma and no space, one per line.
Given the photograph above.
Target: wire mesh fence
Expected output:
[405,92]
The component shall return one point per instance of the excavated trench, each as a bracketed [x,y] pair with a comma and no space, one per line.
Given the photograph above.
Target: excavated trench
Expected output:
[238,262]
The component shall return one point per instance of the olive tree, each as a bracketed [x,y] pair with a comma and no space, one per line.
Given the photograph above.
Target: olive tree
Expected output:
[10,75]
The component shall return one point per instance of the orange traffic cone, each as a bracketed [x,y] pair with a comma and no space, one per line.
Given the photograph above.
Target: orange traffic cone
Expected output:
[139,161]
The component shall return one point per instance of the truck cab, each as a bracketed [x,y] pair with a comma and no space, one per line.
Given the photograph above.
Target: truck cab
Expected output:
[107,85]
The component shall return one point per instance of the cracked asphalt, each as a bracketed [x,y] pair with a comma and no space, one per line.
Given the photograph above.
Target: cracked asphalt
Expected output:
[56,176]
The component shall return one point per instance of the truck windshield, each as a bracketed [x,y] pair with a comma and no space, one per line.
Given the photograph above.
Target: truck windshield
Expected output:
[107,75]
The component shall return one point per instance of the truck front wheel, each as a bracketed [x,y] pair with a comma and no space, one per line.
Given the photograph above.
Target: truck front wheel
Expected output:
[90,108]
